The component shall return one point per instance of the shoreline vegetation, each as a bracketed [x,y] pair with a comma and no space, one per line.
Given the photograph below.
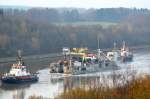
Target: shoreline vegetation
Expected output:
[126,85]
[135,89]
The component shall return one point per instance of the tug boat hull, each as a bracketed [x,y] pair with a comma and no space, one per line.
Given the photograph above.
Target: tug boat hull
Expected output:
[19,79]
[127,58]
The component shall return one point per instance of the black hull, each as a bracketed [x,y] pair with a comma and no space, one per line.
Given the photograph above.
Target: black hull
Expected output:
[16,80]
[127,59]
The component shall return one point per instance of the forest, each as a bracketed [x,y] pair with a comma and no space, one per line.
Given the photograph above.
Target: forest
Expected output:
[37,30]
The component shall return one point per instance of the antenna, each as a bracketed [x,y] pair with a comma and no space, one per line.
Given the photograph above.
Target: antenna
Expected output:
[19,56]
[115,45]
[19,53]
[98,50]
[124,44]
[98,41]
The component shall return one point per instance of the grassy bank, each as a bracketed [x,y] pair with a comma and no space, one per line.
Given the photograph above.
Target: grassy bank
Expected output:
[135,88]
[29,58]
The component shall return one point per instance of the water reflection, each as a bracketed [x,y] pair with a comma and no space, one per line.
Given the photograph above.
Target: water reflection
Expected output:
[76,81]
[14,86]
[13,91]
[18,94]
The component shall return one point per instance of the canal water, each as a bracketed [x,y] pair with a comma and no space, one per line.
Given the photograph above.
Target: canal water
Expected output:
[51,85]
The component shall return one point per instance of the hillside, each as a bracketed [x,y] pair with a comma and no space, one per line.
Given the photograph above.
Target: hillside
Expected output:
[47,30]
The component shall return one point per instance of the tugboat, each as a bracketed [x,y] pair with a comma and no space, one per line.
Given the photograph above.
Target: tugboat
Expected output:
[18,73]
[125,54]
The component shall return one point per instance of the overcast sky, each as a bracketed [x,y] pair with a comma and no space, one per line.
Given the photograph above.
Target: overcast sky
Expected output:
[79,3]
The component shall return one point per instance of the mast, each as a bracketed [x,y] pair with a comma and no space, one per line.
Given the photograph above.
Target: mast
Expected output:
[98,50]
[115,46]
[98,41]
[70,62]
[124,45]
[115,52]
[20,61]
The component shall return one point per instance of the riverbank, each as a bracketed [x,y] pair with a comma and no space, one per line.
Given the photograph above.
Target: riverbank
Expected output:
[35,62]
[132,48]
[52,55]
[32,57]
[138,88]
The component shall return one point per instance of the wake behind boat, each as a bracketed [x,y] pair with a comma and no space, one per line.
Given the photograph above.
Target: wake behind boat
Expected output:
[18,73]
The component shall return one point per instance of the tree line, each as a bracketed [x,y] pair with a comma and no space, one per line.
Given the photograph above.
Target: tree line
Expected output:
[75,14]
[33,30]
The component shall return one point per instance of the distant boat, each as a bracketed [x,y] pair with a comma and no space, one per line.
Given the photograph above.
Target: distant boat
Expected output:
[114,55]
[18,73]
[122,55]
[80,62]
[125,54]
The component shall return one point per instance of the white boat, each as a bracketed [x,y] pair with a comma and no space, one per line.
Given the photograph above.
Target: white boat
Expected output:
[122,55]
[18,74]
[125,54]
